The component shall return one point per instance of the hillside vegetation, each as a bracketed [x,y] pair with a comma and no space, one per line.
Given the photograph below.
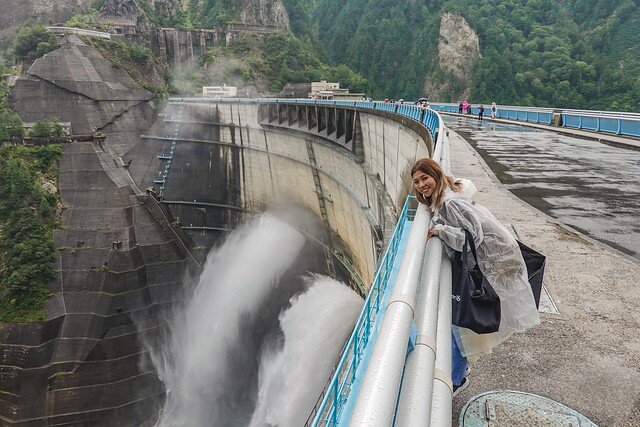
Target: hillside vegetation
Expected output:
[196,14]
[269,61]
[572,54]
[579,53]
[29,212]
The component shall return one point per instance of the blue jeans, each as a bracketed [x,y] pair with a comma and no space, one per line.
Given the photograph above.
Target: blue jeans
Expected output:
[458,363]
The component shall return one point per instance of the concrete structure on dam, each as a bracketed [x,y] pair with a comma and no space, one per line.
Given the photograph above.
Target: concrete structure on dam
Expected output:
[346,165]
[122,255]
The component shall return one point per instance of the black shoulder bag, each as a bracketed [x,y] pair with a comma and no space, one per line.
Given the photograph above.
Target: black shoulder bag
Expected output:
[475,304]
[535,263]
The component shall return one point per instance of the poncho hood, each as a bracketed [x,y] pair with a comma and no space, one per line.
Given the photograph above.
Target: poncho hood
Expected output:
[468,191]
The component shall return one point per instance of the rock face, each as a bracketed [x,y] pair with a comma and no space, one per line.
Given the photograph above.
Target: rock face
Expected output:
[16,13]
[264,12]
[121,8]
[458,54]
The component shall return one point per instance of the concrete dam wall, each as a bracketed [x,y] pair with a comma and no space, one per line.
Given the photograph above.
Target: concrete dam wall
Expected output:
[214,164]
[267,154]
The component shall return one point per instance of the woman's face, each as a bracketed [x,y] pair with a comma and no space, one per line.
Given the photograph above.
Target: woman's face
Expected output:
[423,183]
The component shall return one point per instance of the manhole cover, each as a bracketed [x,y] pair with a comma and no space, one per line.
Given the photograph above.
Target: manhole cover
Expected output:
[514,408]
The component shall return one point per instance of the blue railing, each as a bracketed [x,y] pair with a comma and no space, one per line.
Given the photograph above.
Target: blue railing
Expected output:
[544,116]
[414,112]
[626,124]
[168,157]
[616,123]
[338,388]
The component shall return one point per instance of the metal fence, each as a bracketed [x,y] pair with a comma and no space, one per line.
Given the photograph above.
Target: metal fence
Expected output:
[615,123]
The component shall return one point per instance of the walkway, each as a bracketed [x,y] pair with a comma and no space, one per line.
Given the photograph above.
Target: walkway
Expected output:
[618,141]
[593,188]
[587,356]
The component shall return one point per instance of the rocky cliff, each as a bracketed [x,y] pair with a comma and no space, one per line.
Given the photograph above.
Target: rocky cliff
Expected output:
[128,9]
[458,55]
[16,13]
[264,12]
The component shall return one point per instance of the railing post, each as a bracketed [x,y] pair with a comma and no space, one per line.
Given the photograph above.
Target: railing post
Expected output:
[356,354]
[334,415]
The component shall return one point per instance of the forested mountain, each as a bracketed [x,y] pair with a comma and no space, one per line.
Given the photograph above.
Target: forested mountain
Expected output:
[211,13]
[574,53]
[560,53]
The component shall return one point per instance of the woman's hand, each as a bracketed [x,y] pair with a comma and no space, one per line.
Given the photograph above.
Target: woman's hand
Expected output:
[432,232]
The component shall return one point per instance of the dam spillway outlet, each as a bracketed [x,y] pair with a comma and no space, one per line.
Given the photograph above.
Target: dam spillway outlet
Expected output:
[249,300]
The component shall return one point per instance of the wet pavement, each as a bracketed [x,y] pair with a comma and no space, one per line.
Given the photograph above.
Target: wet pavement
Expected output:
[586,355]
[592,187]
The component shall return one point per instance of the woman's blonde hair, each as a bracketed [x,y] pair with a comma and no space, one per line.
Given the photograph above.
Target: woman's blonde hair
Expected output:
[443,181]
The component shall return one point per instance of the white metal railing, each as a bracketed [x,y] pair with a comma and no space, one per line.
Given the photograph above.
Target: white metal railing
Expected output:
[79,31]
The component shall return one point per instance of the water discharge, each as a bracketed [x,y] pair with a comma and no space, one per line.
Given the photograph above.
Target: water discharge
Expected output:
[210,361]
[315,329]
[236,279]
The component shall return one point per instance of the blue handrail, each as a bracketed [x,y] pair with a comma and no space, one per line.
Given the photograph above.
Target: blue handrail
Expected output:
[337,390]
[616,123]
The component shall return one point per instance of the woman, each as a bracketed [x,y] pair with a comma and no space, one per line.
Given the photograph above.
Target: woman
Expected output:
[498,253]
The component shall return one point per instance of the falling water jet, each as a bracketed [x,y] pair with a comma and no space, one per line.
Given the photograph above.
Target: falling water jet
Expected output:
[237,278]
[315,329]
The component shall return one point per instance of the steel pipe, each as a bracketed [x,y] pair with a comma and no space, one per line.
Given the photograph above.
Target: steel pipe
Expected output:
[414,405]
[376,402]
[441,405]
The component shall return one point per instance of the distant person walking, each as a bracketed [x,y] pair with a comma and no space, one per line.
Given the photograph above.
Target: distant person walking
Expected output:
[465,107]
[494,109]
[480,112]
[460,108]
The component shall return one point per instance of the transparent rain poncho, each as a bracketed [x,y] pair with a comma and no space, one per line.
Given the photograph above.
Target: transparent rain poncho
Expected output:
[499,259]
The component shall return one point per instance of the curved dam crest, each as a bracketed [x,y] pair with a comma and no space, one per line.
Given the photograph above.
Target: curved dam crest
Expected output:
[213,144]
[229,161]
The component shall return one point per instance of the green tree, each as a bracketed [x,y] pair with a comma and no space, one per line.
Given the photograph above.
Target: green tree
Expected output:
[28,217]
[41,129]
[33,42]
[10,126]
[56,127]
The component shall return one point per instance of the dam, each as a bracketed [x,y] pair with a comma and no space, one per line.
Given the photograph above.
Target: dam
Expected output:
[146,204]
[125,251]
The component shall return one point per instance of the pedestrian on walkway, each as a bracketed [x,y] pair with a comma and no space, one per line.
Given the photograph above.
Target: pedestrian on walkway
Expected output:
[480,112]
[499,259]
[494,109]
[460,108]
[466,107]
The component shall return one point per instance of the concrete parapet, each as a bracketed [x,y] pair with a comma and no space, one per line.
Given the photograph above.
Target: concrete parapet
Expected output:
[232,159]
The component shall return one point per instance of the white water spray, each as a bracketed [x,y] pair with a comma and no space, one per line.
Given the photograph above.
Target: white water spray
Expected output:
[315,329]
[236,280]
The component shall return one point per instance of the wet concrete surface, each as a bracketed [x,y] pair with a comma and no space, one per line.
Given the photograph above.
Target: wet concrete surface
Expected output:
[586,355]
[589,186]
